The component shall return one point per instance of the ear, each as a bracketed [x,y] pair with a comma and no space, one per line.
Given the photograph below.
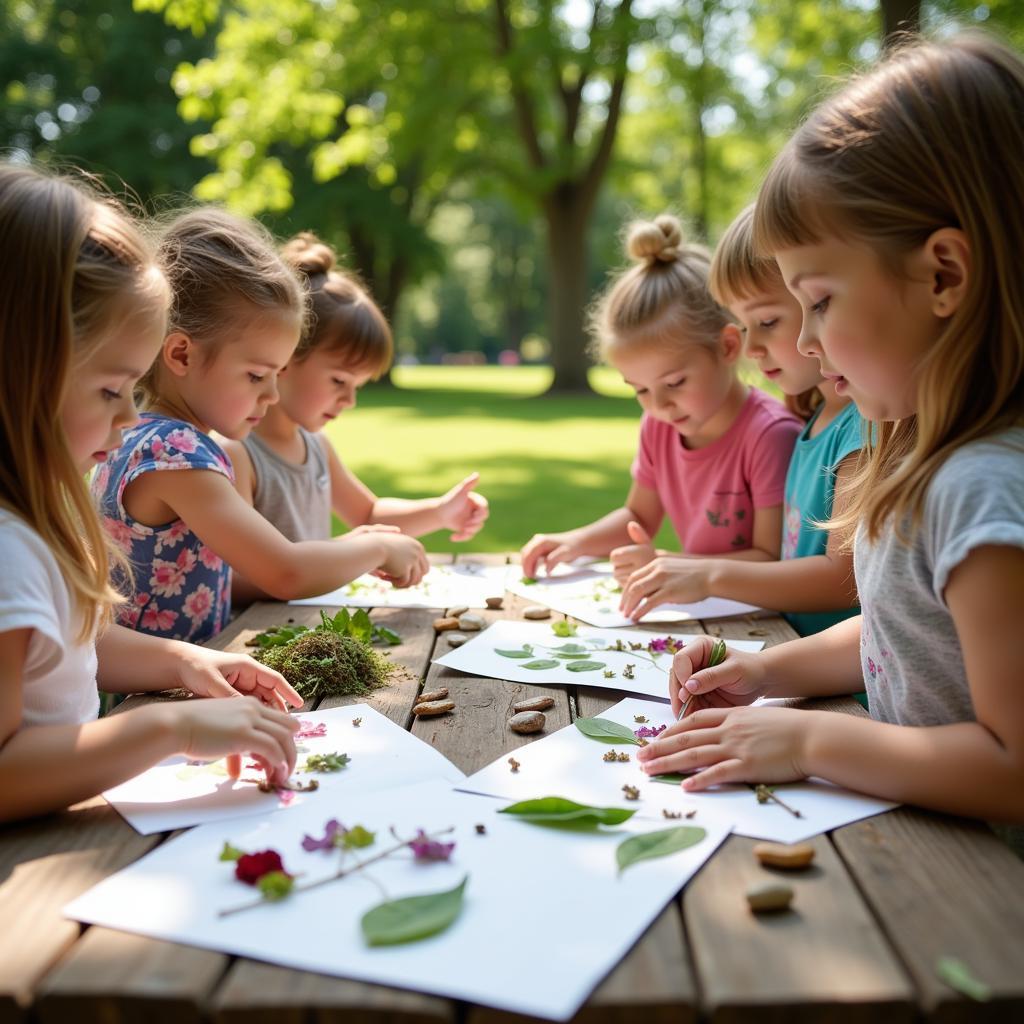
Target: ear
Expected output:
[731,339]
[179,353]
[947,259]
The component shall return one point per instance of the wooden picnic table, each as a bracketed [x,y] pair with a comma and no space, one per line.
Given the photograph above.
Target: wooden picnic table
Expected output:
[885,899]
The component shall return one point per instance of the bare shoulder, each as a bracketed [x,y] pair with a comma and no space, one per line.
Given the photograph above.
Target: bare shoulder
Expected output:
[241,462]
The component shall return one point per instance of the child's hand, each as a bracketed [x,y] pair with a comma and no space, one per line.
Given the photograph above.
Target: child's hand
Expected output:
[626,560]
[208,673]
[462,510]
[405,562]
[732,745]
[372,528]
[668,579]
[208,729]
[550,549]
[738,679]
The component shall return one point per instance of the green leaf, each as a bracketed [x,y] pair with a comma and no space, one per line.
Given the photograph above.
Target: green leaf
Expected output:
[957,975]
[412,918]
[528,580]
[275,885]
[564,628]
[383,635]
[585,666]
[572,649]
[569,657]
[361,628]
[650,845]
[357,837]
[326,762]
[519,653]
[556,809]
[672,778]
[231,853]
[606,731]
[717,654]
[540,664]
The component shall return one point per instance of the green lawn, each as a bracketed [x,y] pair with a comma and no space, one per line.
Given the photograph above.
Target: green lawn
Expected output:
[545,463]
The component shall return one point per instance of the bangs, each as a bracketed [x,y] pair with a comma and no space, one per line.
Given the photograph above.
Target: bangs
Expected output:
[738,271]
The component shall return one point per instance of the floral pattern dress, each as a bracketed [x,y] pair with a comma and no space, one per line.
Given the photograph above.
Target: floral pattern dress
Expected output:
[181,588]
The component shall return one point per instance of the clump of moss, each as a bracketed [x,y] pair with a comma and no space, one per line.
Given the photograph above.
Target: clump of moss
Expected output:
[322,663]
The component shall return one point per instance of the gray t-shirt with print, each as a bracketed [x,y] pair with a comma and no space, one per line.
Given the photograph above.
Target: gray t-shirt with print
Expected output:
[911,657]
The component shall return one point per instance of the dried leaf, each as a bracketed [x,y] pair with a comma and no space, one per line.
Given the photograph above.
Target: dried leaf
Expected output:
[518,653]
[541,664]
[650,845]
[412,918]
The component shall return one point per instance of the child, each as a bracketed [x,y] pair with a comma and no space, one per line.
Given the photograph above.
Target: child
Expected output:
[167,495]
[82,313]
[713,452]
[285,468]
[814,580]
[895,215]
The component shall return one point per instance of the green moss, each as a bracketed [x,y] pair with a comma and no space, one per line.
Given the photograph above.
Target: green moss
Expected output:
[323,664]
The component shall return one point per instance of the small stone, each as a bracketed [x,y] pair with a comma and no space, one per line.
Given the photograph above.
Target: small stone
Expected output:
[456,639]
[769,897]
[788,857]
[429,708]
[494,603]
[536,611]
[472,623]
[534,704]
[443,625]
[527,722]
[454,613]
[429,695]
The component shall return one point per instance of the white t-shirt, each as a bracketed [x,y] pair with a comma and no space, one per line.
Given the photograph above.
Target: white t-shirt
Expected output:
[59,678]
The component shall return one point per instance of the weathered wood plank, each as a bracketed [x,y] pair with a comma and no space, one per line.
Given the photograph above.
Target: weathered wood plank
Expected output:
[944,886]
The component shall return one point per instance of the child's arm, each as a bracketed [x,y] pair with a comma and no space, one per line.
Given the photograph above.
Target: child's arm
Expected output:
[643,506]
[971,768]
[245,475]
[46,768]
[460,509]
[215,512]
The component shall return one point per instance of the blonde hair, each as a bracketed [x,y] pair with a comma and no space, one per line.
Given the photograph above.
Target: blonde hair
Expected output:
[664,294]
[739,272]
[932,138]
[216,264]
[344,317]
[73,266]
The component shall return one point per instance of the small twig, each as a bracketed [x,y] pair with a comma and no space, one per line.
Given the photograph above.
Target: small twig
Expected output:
[275,787]
[340,873]
[764,794]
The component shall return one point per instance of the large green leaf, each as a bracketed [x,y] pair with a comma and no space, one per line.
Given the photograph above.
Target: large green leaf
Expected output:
[585,666]
[517,653]
[650,845]
[412,918]
[606,731]
[553,810]
[541,664]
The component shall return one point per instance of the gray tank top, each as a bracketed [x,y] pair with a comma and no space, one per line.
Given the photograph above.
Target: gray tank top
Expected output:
[296,499]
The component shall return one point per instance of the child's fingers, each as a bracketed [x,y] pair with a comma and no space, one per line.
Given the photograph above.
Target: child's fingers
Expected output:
[233,764]
[562,553]
[716,775]
[637,534]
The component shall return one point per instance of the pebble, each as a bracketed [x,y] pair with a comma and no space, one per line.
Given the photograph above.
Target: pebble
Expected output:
[769,896]
[457,639]
[441,625]
[432,707]
[780,855]
[534,704]
[471,623]
[428,695]
[494,603]
[527,722]
[454,613]
[536,611]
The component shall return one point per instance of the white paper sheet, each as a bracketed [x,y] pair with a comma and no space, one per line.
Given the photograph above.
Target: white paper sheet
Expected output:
[650,670]
[445,586]
[178,793]
[572,763]
[535,936]
[589,593]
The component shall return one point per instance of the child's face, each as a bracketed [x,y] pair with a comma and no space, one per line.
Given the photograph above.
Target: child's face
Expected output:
[770,321]
[867,327]
[98,403]
[232,392]
[682,385]
[320,387]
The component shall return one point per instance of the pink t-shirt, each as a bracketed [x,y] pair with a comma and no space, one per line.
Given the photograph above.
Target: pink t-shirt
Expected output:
[710,494]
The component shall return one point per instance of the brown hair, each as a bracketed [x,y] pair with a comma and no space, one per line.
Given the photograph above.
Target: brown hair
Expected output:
[932,138]
[344,317]
[217,263]
[665,293]
[73,267]
[739,272]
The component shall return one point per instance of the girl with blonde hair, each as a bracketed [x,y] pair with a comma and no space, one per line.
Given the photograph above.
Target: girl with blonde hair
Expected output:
[895,214]
[82,313]
[713,452]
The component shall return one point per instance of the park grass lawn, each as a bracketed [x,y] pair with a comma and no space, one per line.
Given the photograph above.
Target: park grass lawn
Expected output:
[545,463]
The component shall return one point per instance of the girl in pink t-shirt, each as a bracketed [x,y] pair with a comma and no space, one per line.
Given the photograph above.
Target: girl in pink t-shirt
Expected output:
[713,452]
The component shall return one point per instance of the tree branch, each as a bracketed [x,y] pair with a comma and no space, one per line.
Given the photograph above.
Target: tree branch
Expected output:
[525,120]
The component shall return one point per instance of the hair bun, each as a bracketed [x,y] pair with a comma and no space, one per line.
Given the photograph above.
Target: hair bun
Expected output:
[657,241]
[306,253]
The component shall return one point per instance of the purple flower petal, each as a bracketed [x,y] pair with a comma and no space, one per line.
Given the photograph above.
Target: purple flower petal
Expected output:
[425,849]
[649,731]
[332,829]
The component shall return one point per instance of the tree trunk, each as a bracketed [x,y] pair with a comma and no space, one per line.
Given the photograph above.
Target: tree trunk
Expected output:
[566,222]
[899,16]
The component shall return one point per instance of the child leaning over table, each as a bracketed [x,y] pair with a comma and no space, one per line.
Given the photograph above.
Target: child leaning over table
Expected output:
[82,314]
[895,219]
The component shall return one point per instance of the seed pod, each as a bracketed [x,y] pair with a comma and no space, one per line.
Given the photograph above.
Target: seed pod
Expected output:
[534,704]
[428,695]
[780,855]
[433,707]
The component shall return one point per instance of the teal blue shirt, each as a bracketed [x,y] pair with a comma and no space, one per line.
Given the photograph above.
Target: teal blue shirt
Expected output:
[810,484]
